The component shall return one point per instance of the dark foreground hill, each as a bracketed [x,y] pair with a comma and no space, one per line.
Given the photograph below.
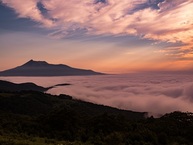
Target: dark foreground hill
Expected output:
[42,68]
[36,118]
[37,103]
[12,87]
[37,114]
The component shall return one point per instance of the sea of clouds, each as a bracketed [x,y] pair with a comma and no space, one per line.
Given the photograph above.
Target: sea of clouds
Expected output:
[153,93]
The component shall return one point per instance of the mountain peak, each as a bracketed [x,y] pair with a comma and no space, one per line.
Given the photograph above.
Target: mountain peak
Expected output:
[30,61]
[35,63]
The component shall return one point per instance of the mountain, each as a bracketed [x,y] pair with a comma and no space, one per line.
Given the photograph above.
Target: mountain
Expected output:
[42,68]
[11,87]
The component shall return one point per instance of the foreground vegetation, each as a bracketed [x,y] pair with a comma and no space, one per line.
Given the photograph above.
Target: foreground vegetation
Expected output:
[35,118]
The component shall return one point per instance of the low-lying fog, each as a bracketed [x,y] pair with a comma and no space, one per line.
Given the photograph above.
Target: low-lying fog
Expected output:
[153,93]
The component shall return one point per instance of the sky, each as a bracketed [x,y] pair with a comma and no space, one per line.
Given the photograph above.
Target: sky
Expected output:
[112,36]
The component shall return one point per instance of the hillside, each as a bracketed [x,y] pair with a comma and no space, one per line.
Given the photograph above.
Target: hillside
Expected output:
[12,87]
[30,117]
[42,68]
[37,103]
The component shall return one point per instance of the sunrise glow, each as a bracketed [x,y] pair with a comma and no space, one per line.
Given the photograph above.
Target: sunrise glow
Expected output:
[109,36]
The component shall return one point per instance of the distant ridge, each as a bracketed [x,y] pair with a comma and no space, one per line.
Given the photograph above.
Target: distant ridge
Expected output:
[42,68]
[29,86]
[13,87]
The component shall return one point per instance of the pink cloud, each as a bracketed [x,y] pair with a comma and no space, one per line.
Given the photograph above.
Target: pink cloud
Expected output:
[28,9]
[171,23]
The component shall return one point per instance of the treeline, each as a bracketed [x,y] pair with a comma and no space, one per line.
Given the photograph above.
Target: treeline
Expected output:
[34,118]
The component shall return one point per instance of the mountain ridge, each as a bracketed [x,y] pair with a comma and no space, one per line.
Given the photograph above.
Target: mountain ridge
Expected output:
[42,68]
[28,86]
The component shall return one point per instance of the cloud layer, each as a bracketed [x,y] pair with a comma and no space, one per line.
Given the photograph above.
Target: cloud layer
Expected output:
[170,21]
[153,93]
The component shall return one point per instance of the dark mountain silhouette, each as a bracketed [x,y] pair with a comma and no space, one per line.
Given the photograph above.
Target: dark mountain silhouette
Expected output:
[11,87]
[42,68]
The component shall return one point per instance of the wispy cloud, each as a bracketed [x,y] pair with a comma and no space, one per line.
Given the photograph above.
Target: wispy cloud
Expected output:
[28,9]
[163,20]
